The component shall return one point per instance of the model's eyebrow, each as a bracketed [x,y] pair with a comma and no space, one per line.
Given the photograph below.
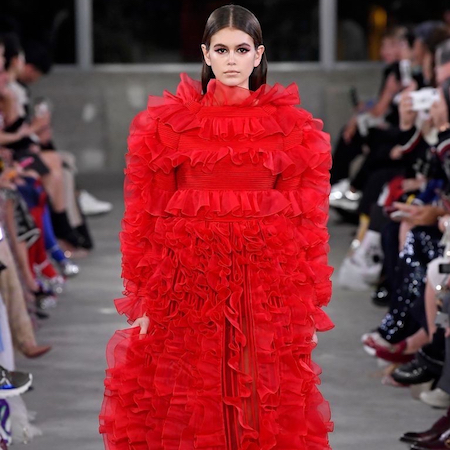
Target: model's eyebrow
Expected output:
[240,45]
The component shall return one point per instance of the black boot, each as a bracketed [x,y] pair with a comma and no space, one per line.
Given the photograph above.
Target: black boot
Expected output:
[85,236]
[63,230]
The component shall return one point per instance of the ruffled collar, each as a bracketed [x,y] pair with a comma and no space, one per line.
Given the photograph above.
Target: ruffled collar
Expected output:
[218,94]
[226,112]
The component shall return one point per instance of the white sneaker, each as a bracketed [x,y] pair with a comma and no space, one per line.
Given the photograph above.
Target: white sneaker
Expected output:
[436,398]
[369,252]
[91,206]
[357,277]
[341,186]
[345,199]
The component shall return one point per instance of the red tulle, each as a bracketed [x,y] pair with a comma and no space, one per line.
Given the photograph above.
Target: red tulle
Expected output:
[224,246]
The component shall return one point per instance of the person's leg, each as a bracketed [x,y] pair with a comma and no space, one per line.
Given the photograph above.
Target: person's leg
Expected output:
[54,181]
[19,248]
[407,306]
[416,341]
[73,213]
[12,294]
[444,381]
[343,155]
[435,281]
[7,350]
[39,260]
[51,244]
[54,187]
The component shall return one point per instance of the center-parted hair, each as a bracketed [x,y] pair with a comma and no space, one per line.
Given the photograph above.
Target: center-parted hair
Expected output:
[239,18]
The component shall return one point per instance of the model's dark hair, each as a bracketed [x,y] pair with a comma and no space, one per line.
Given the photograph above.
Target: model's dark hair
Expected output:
[235,16]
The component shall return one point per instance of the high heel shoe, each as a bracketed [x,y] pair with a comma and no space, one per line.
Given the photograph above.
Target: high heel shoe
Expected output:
[395,354]
[371,341]
[35,351]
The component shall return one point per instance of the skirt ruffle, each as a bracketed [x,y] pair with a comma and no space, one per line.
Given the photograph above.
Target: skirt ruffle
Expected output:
[226,363]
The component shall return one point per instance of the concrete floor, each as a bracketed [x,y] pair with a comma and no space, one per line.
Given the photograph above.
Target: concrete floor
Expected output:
[69,380]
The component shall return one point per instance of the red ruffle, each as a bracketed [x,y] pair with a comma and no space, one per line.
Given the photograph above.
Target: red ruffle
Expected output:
[233,280]
[169,382]
[218,204]
[243,114]
[166,158]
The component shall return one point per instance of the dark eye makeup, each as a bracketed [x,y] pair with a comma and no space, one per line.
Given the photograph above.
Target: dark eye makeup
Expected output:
[223,49]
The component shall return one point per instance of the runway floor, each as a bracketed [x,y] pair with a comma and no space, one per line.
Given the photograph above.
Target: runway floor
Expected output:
[69,380]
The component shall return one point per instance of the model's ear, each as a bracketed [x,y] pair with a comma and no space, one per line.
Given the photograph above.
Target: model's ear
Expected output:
[258,55]
[206,55]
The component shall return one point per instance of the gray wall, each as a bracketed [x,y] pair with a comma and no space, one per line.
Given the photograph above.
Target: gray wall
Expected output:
[92,111]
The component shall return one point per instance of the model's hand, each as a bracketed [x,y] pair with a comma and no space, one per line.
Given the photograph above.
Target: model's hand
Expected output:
[143,323]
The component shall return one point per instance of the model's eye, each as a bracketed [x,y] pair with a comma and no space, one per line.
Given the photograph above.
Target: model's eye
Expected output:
[221,50]
[243,50]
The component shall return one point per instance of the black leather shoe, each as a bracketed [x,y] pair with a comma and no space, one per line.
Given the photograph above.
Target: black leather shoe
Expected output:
[432,434]
[442,443]
[414,372]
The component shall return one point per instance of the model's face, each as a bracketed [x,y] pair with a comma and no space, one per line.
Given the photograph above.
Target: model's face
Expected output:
[232,56]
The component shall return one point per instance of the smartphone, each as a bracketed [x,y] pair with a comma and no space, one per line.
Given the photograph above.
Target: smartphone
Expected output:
[26,162]
[444,268]
[405,72]
[396,215]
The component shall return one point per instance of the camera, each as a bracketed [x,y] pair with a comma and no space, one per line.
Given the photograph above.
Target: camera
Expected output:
[444,268]
[424,98]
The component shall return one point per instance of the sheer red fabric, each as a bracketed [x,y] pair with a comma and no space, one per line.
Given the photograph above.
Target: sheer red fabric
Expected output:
[224,244]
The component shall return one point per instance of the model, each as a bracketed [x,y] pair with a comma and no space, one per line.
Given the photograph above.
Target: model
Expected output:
[224,246]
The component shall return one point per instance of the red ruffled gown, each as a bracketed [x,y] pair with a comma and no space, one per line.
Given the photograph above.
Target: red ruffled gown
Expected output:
[224,247]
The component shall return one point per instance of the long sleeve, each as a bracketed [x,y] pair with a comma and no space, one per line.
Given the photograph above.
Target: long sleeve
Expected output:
[308,189]
[147,190]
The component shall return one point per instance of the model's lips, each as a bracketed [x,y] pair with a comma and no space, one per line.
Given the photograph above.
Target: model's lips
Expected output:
[232,71]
